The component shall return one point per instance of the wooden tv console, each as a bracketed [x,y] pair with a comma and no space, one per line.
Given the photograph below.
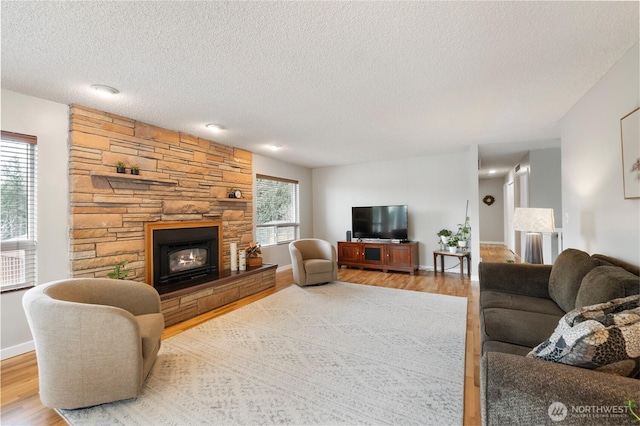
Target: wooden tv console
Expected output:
[379,255]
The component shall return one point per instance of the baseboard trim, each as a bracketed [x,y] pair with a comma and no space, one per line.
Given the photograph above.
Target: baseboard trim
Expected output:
[16,350]
[283,268]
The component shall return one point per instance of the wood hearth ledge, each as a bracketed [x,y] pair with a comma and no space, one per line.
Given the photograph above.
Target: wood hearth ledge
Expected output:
[190,302]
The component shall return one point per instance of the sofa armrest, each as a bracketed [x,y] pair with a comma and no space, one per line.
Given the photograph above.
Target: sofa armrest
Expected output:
[519,390]
[515,278]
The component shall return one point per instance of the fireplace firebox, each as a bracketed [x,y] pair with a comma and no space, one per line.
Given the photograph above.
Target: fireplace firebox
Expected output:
[183,256]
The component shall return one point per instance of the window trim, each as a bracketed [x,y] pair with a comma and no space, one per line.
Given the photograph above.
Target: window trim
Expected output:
[31,244]
[296,225]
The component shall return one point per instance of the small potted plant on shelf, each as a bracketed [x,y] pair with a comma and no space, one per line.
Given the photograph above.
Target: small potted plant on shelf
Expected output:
[254,254]
[464,233]
[444,235]
[135,169]
[120,167]
[453,244]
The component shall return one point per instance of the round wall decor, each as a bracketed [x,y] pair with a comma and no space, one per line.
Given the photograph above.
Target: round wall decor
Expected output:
[488,200]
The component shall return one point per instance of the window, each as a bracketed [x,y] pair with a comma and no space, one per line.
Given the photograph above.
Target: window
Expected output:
[277,206]
[18,157]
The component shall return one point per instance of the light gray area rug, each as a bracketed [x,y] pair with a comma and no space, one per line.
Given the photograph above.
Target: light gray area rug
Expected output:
[334,354]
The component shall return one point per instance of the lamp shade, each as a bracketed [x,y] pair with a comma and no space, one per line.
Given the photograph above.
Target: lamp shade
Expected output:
[533,220]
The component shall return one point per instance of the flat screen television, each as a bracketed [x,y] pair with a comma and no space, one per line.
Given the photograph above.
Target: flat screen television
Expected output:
[380,222]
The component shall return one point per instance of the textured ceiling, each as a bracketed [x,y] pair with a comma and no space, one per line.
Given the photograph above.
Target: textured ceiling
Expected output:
[331,82]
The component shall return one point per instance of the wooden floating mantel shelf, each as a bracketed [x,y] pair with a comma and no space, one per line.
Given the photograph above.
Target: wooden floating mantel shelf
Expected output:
[234,200]
[122,177]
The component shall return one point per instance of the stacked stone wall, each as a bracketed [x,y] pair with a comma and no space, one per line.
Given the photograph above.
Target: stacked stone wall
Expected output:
[182,178]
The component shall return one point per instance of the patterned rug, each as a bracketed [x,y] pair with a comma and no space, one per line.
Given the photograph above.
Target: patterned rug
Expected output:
[334,354]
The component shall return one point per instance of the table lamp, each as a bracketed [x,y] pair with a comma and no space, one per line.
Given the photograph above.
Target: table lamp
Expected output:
[533,222]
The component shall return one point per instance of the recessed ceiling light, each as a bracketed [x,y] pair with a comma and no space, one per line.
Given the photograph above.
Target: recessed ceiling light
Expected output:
[215,128]
[492,172]
[104,90]
[275,147]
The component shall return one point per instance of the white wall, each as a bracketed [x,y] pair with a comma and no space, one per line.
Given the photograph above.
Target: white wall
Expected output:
[597,217]
[435,189]
[267,166]
[49,122]
[545,181]
[492,217]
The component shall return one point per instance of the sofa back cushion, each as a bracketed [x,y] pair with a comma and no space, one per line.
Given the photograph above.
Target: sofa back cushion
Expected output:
[604,283]
[612,261]
[567,273]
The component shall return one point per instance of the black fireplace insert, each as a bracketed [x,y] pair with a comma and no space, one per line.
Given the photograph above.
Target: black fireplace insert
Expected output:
[183,257]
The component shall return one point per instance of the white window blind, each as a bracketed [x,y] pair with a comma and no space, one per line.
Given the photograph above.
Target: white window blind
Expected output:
[18,159]
[277,210]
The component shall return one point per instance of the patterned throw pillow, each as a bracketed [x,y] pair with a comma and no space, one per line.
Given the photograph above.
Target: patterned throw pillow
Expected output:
[603,337]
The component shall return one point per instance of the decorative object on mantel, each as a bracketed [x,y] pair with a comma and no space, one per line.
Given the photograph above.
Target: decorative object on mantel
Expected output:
[118,273]
[234,256]
[242,260]
[120,167]
[630,139]
[135,170]
[235,193]
[489,199]
[253,254]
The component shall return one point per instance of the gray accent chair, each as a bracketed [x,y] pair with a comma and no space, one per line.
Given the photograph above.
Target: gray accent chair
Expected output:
[96,339]
[313,261]
[520,306]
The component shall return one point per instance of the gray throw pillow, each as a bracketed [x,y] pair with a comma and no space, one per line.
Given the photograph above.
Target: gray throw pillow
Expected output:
[566,276]
[605,283]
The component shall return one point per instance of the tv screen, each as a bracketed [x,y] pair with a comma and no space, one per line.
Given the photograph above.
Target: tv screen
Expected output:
[382,222]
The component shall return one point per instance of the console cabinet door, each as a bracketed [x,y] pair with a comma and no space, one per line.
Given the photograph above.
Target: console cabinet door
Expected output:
[399,255]
[349,252]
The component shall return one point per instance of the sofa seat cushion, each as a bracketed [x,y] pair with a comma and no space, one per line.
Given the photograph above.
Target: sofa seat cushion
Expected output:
[507,348]
[317,266]
[566,276]
[497,299]
[605,336]
[151,327]
[517,327]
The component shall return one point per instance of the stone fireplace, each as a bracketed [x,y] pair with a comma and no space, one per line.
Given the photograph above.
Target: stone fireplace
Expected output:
[183,185]
[182,178]
[182,254]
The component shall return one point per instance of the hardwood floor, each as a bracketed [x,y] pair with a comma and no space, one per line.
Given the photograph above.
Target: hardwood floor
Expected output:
[20,404]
